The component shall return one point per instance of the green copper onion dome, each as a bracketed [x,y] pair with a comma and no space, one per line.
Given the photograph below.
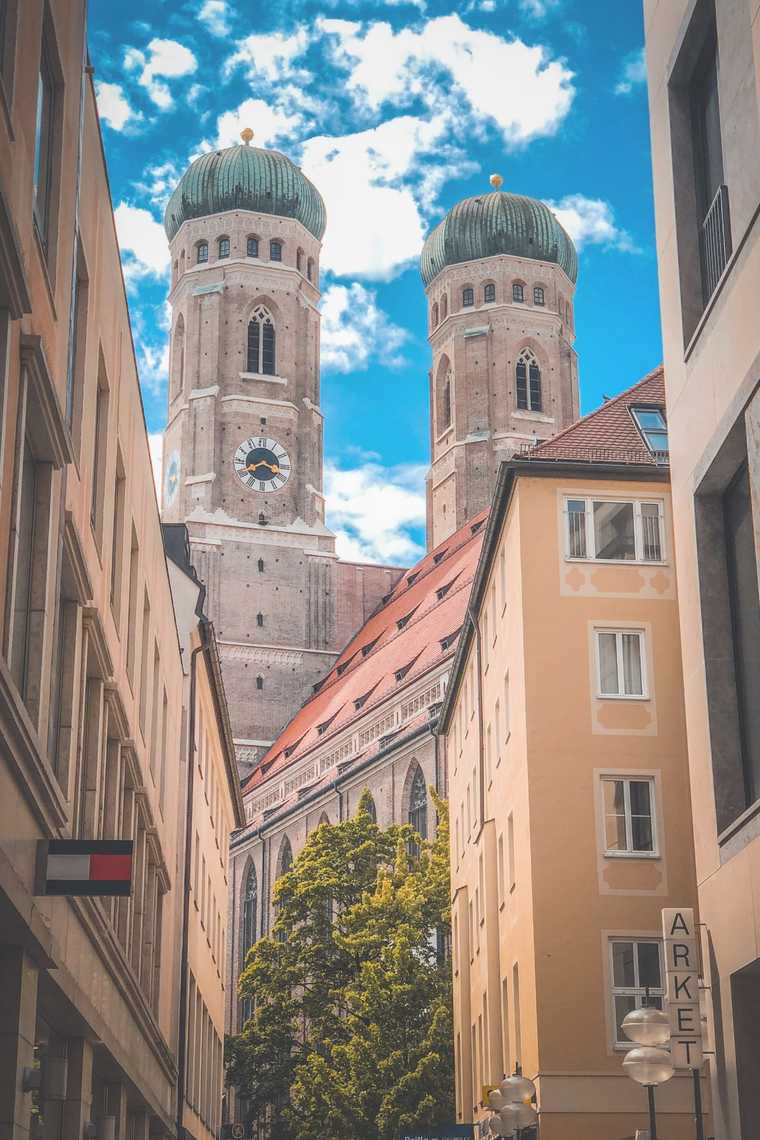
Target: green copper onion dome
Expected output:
[497,223]
[245,178]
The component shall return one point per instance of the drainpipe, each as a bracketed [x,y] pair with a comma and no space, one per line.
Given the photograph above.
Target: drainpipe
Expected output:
[481,766]
[183,964]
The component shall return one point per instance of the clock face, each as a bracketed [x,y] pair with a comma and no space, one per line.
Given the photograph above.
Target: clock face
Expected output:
[171,482]
[262,464]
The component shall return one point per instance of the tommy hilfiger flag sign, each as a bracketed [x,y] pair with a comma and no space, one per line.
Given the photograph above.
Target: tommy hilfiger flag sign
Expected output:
[87,867]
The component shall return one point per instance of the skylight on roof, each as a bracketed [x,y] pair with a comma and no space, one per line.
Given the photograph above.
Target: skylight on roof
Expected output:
[653,426]
[441,554]
[402,621]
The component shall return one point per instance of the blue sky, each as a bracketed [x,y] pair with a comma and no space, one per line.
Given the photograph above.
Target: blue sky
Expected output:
[395,111]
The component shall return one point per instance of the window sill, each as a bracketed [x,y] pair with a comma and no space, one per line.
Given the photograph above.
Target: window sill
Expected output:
[617,561]
[632,855]
[622,697]
[262,376]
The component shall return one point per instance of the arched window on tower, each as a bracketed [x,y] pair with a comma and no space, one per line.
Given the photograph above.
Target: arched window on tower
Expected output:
[178,356]
[468,296]
[489,293]
[182,263]
[252,246]
[444,307]
[202,251]
[528,382]
[275,251]
[434,315]
[224,247]
[443,395]
[299,259]
[285,858]
[261,565]
[539,297]
[261,356]
[417,815]
[310,269]
[248,930]
[518,291]
[259,683]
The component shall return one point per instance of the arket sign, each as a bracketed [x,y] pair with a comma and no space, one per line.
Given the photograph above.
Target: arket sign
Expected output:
[679,934]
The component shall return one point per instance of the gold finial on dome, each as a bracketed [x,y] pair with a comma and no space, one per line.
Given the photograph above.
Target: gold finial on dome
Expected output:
[246,135]
[496,181]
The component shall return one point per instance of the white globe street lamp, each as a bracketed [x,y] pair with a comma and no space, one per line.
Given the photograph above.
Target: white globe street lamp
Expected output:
[511,1104]
[649,1065]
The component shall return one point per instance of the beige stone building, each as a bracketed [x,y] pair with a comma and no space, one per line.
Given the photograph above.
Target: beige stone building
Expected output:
[565,744]
[703,64]
[209,809]
[92,688]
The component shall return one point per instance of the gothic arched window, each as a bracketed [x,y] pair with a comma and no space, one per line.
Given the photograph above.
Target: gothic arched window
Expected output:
[518,291]
[418,803]
[489,293]
[259,683]
[444,307]
[178,356]
[261,356]
[202,251]
[250,906]
[261,565]
[310,269]
[224,247]
[275,251]
[434,315]
[369,804]
[539,297]
[443,395]
[285,858]
[252,246]
[528,382]
[468,296]
[299,259]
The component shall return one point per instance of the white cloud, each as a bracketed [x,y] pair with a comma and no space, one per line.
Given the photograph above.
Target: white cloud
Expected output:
[633,73]
[159,181]
[165,59]
[354,329]
[445,63]
[153,365]
[375,223]
[113,106]
[156,445]
[268,123]
[375,510]
[591,221]
[270,55]
[215,15]
[538,9]
[143,241]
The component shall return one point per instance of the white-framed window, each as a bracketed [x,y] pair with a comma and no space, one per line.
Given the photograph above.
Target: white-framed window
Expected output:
[614,530]
[635,969]
[628,804]
[621,663]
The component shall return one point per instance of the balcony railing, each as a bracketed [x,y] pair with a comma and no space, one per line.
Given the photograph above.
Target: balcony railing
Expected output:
[715,243]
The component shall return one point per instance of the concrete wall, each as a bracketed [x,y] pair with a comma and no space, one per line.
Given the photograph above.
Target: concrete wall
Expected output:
[712,354]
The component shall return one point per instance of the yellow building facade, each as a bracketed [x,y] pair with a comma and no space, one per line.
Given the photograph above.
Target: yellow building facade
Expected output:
[568,785]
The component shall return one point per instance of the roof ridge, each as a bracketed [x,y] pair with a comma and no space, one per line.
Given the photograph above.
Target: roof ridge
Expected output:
[596,411]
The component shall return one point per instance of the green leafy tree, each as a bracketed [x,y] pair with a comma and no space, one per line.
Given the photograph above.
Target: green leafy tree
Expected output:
[351,1033]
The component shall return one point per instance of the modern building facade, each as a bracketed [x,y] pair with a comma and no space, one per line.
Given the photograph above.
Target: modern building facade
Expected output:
[703,64]
[499,273]
[243,444]
[565,745]
[91,673]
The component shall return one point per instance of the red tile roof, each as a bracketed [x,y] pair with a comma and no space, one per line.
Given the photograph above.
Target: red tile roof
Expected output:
[609,434]
[416,647]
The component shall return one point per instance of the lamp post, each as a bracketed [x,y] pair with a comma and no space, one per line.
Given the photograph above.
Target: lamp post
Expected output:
[511,1106]
[650,1064]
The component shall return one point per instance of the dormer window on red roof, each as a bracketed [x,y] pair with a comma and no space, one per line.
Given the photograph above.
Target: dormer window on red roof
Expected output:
[402,621]
[440,555]
[449,639]
[476,526]
[402,672]
[323,727]
[367,649]
[443,590]
[412,578]
[344,665]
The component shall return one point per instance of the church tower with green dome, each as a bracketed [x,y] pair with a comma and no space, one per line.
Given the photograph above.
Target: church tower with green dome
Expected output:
[499,273]
[243,443]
